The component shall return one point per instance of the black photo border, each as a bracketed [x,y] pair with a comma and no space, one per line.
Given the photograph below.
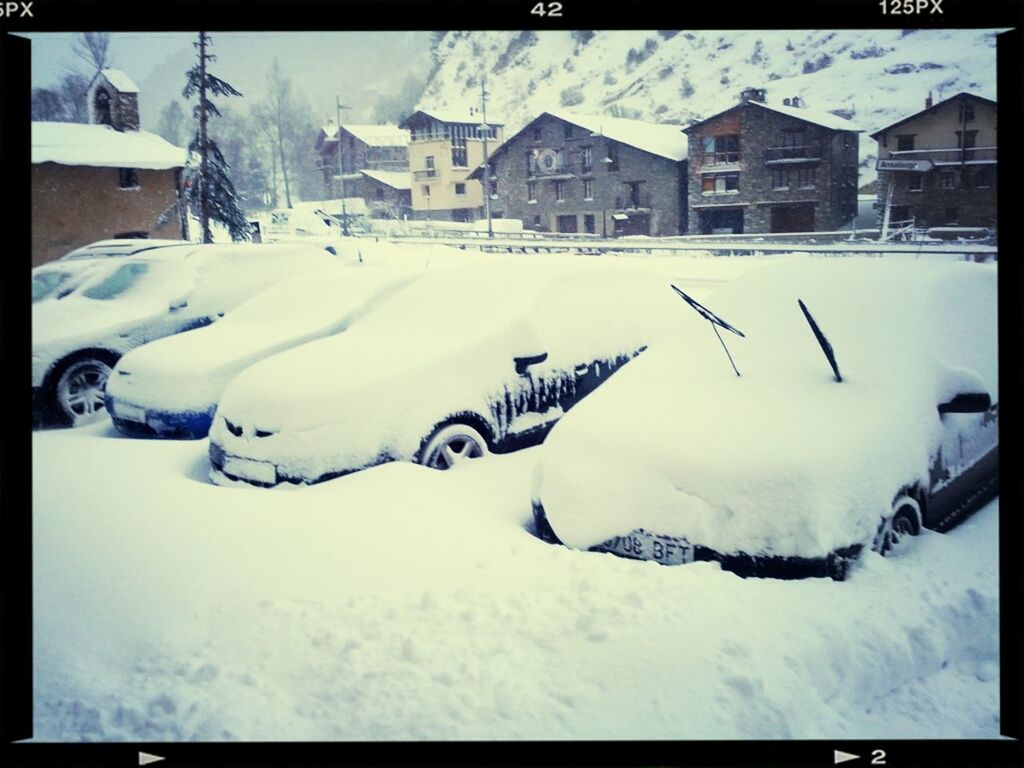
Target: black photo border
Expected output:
[371,15]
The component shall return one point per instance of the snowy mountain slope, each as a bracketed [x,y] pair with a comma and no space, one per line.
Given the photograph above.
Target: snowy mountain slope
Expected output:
[873,77]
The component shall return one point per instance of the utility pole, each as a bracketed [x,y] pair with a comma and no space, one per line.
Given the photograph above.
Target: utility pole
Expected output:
[341,171]
[487,166]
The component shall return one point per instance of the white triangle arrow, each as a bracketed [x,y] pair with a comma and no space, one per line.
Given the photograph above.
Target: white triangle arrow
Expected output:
[842,757]
[145,758]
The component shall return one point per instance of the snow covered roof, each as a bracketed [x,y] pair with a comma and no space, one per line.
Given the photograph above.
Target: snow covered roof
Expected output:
[660,139]
[102,146]
[120,80]
[453,116]
[393,179]
[372,135]
[824,119]
[961,95]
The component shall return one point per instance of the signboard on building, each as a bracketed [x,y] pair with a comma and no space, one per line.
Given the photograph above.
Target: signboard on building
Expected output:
[893,164]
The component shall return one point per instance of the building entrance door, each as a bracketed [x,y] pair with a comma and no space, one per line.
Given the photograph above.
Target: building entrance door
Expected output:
[567,223]
[792,218]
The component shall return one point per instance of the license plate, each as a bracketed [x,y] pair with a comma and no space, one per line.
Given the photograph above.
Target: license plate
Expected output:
[641,545]
[248,469]
[130,412]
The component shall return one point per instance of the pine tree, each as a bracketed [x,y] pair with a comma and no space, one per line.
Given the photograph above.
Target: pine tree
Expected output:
[209,190]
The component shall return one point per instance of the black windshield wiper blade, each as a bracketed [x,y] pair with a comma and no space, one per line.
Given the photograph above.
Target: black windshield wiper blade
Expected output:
[822,341]
[715,321]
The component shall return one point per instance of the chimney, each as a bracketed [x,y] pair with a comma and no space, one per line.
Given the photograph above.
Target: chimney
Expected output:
[114,100]
[797,101]
[928,101]
[753,94]
[786,102]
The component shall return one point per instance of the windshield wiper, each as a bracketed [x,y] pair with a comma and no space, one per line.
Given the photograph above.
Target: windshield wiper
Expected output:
[822,341]
[715,321]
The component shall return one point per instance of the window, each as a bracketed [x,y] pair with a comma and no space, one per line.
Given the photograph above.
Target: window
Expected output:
[587,159]
[982,178]
[494,187]
[613,157]
[794,138]
[780,179]
[968,140]
[536,222]
[588,223]
[905,143]
[430,166]
[720,183]
[805,178]
[460,189]
[536,133]
[966,112]
[128,178]
[951,216]
[380,193]
[915,182]
[560,191]
[117,283]
[634,193]
[721,149]
[426,190]
[588,189]
[568,130]
[531,191]
[947,181]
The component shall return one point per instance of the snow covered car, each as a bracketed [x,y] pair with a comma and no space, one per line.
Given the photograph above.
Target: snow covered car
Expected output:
[463,362]
[170,387]
[87,313]
[801,461]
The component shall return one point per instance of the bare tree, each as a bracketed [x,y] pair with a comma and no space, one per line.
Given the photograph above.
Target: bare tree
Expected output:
[93,49]
[279,105]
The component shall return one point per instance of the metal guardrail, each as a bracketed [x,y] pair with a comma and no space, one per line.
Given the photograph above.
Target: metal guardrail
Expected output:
[947,156]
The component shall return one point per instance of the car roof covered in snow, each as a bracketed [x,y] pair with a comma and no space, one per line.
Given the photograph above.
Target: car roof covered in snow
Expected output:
[118,247]
[782,458]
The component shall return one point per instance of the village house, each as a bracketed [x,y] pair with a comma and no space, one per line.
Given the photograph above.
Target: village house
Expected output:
[107,179]
[758,167]
[363,147]
[598,175]
[937,167]
[444,148]
[388,194]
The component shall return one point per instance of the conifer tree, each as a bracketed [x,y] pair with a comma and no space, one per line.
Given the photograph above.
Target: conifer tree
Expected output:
[209,190]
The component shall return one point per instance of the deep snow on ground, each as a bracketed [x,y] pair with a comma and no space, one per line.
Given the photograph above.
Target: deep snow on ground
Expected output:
[404,603]
[401,603]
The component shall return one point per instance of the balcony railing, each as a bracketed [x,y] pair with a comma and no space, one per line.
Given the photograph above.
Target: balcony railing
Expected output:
[952,156]
[426,173]
[721,158]
[633,202]
[792,154]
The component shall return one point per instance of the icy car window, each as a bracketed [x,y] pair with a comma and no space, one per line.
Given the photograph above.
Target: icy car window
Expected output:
[46,283]
[123,278]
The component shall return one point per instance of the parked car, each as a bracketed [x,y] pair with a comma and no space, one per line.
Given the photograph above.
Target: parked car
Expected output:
[464,362]
[170,387]
[816,450]
[89,312]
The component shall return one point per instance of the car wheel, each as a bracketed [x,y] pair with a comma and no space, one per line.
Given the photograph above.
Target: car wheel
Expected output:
[80,391]
[452,445]
[904,523]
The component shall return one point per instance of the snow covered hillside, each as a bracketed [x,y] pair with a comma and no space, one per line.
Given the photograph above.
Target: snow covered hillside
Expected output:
[872,77]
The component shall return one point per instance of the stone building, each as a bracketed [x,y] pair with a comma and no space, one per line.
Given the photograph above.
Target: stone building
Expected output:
[940,164]
[104,180]
[363,147]
[605,176]
[444,148]
[760,167]
[388,194]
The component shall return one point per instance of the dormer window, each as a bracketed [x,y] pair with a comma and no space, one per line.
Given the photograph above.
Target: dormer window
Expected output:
[128,178]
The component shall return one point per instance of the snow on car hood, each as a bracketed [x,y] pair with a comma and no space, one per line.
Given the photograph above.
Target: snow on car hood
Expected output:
[188,371]
[782,459]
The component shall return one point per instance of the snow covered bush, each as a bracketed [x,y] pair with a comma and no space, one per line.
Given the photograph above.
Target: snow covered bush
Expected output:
[572,96]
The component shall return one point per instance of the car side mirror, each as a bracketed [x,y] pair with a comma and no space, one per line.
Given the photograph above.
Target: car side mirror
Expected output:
[967,402]
[522,363]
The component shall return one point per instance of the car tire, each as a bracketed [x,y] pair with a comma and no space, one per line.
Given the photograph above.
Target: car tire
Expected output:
[80,390]
[452,445]
[905,521]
